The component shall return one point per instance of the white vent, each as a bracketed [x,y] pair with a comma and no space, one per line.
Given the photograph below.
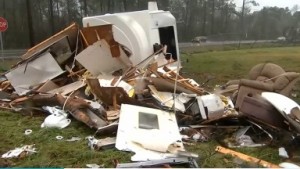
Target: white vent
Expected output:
[152,6]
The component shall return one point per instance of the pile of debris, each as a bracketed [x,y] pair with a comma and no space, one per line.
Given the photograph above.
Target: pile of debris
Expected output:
[87,74]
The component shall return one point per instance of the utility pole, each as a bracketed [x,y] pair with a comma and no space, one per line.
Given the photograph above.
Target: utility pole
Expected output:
[212,18]
[204,18]
[243,13]
[85,8]
[242,23]
[30,26]
[51,17]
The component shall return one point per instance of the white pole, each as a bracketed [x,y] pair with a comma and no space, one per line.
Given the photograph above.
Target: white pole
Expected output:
[2,59]
[1,40]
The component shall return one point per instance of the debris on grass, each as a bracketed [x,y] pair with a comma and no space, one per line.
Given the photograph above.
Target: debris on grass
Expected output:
[20,152]
[246,157]
[135,99]
[74,139]
[59,137]
[28,131]
[94,166]
[101,144]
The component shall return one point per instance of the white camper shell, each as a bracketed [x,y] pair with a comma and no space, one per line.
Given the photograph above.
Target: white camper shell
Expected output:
[140,30]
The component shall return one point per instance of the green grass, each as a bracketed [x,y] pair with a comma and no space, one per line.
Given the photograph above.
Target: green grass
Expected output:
[209,158]
[219,66]
[51,152]
[60,153]
[7,64]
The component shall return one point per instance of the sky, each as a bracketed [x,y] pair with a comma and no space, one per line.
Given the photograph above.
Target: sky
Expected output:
[278,3]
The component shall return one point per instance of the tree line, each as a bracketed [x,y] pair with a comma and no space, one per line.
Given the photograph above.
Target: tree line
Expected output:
[31,21]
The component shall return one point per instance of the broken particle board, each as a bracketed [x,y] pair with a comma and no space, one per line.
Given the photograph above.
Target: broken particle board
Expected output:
[47,86]
[64,90]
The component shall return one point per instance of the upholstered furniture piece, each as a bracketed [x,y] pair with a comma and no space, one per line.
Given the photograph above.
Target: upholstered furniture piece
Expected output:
[266,77]
[260,110]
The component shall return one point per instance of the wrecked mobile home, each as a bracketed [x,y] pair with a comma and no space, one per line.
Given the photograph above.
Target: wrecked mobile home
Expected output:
[119,75]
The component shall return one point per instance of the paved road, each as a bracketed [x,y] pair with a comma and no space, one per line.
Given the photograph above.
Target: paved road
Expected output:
[188,44]
[11,54]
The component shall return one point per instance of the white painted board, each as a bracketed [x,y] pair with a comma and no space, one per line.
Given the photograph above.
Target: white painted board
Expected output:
[37,72]
[151,143]
[98,59]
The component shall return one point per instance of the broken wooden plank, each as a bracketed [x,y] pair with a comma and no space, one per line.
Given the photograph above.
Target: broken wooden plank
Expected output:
[71,32]
[246,157]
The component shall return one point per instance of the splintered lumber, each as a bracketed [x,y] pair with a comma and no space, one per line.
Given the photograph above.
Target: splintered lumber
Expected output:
[71,32]
[4,85]
[246,157]
[182,81]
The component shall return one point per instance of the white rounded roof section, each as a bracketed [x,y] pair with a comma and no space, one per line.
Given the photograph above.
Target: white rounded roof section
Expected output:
[129,29]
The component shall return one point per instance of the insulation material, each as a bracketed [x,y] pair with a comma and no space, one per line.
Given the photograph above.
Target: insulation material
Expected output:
[34,73]
[98,59]
[151,133]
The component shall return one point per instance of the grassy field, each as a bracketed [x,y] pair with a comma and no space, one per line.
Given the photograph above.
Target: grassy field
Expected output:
[221,66]
[218,66]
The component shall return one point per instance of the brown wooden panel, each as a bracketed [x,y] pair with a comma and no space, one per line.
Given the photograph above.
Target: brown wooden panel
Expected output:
[94,33]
